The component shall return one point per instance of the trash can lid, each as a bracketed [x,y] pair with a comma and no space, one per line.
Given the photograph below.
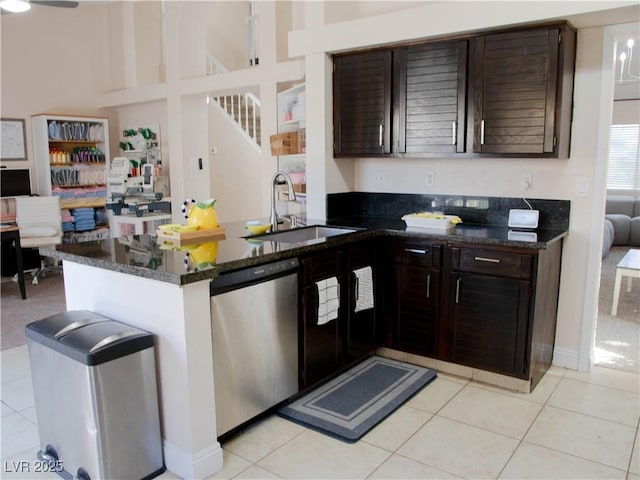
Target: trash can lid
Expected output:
[87,337]
[63,323]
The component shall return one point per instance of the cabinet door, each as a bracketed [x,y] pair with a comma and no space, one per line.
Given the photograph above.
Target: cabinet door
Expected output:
[321,345]
[515,87]
[488,320]
[361,324]
[435,105]
[417,294]
[362,103]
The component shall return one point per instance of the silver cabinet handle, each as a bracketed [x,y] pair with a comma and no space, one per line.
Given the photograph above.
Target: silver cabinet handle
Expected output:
[454,133]
[482,132]
[380,136]
[485,259]
[428,285]
[458,289]
[416,250]
[357,287]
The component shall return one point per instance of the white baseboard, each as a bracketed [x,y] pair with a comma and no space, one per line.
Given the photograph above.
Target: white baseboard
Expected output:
[202,464]
[563,357]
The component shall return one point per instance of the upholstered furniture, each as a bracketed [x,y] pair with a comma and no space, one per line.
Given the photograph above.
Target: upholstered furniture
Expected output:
[622,222]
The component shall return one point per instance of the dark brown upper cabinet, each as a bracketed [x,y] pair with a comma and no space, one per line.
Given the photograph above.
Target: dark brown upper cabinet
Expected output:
[362,103]
[432,98]
[521,92]
[506,94]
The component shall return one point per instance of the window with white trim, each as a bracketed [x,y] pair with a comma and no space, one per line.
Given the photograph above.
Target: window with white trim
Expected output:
[623,171]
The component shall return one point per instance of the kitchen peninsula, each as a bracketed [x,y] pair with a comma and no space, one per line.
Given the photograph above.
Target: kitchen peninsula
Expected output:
[134,280]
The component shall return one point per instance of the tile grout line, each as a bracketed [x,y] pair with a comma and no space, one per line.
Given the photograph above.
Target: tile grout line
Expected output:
[433,415]
[521,441]
[607,386]
[272,451]
[592,416]
[577,413]
[386,459]
[636,439]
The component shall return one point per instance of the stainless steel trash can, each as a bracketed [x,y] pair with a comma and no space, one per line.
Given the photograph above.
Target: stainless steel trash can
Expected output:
[94,382]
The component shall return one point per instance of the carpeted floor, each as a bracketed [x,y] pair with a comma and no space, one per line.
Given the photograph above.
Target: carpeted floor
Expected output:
[617,338]
[42,300]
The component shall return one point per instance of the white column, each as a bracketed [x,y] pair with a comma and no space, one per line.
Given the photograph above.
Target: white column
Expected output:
[129,39]
[268,94]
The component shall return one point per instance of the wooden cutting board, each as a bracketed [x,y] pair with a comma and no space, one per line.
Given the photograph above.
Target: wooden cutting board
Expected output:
[178,239]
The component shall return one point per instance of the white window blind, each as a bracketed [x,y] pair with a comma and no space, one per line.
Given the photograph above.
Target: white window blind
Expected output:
[623,172]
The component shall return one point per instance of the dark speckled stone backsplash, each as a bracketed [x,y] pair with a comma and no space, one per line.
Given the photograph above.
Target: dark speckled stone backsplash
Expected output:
[554,214]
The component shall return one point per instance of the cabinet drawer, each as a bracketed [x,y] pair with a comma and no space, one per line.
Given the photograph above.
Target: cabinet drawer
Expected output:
[491,262]
[409,252]
[321,266]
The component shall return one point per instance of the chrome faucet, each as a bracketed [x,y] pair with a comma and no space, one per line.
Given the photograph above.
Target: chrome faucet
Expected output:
[274,218]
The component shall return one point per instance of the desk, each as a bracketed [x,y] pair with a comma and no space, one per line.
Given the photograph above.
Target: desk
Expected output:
[13,233]
[629,266]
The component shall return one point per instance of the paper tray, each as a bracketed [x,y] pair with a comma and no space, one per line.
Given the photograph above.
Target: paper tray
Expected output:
[178,239]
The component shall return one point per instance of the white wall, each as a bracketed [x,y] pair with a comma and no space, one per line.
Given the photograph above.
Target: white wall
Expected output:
[148,42]
[236,170]
[227,37]
[626,112]
[340,11]
[54,60]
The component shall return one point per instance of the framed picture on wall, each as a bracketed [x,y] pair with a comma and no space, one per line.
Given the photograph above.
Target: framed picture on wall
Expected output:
[13,139]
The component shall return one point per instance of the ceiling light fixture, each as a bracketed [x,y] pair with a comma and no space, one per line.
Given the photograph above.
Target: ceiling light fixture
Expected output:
[627,57]
[15,6]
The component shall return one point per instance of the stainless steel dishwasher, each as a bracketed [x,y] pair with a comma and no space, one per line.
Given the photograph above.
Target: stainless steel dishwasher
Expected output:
[254,314]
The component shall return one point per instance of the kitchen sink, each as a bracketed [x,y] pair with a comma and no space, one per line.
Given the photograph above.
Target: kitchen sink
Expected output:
[303,234]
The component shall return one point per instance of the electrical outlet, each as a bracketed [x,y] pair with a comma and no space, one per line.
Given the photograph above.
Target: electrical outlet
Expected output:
[379,178]
[430,179]
[526,181]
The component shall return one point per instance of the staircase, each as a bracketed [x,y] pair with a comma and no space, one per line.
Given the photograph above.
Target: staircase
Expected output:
[242,108]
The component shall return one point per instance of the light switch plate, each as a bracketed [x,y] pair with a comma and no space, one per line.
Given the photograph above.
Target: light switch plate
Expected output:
[523,218]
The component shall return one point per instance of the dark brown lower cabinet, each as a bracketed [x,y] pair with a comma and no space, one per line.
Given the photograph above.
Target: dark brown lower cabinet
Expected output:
[502,308]
[488,317]
[487,307]
[361,325]
[320,351]
[417,293]
[328,348]
[417,278]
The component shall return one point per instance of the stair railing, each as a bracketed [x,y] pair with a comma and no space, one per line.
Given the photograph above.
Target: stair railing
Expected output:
[242,108]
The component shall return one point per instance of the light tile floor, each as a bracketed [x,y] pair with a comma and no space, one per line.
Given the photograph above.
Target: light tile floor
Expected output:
[573,426]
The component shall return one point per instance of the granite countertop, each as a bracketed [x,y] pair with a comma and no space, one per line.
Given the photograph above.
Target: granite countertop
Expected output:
[141,255]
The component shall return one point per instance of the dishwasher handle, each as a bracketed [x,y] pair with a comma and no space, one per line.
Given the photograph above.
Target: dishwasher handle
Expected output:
[244,277]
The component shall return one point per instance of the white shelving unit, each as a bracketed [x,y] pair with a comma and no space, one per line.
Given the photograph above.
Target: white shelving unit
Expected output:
[291,118]
[71,156]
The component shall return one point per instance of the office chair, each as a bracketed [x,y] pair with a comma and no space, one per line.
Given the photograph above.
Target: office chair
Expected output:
[40,223]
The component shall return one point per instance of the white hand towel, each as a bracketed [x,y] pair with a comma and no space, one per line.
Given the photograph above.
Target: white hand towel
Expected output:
[364,291]
[328,300]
